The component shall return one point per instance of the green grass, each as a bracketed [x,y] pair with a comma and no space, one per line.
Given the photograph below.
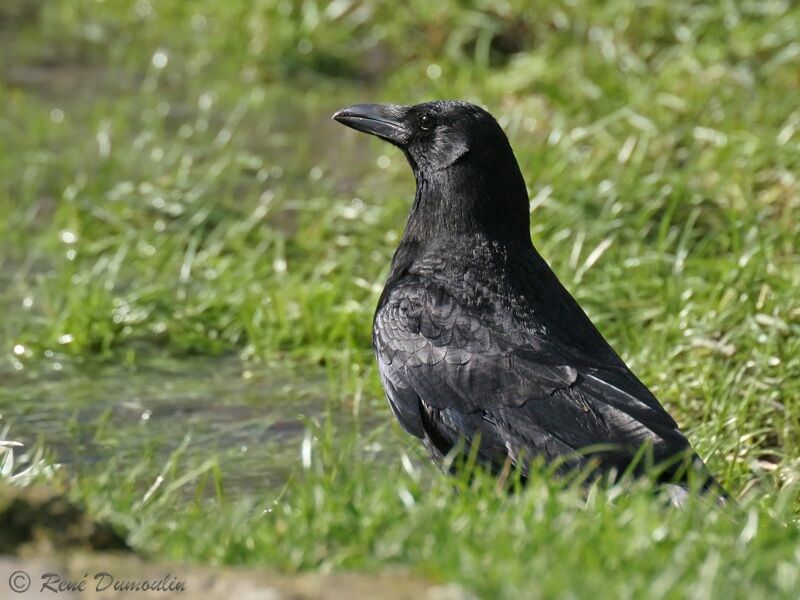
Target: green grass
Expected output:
[170,183]
[345,512]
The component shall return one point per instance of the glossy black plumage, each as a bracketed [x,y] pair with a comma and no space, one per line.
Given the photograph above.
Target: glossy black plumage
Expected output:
[476,339]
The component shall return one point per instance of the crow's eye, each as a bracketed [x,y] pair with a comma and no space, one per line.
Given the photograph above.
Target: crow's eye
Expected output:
[425,122]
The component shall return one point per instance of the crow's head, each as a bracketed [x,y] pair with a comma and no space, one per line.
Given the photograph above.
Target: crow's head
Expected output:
[433,135]
[468,180]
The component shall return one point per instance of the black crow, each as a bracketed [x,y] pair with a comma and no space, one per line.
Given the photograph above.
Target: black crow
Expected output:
[477,341]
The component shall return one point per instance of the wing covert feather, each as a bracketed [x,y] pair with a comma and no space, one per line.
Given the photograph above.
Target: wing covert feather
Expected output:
[441,358]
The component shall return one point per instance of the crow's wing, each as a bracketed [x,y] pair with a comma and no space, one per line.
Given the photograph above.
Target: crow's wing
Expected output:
[451,371]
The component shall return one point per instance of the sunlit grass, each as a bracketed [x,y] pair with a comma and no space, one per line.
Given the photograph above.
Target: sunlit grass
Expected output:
[341,510]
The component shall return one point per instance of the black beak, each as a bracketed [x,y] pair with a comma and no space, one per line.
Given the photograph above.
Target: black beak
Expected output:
[382,120]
